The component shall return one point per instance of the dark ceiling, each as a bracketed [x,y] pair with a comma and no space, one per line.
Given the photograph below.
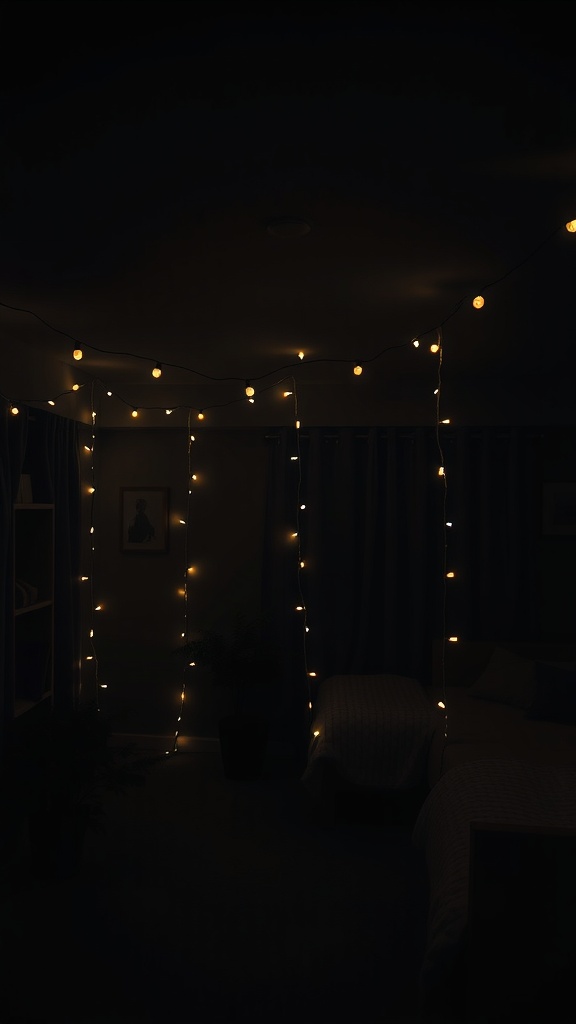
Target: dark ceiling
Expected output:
[429,148]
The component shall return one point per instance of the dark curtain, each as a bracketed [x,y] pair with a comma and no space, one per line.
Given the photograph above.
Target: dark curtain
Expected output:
[373,541]
[45,446]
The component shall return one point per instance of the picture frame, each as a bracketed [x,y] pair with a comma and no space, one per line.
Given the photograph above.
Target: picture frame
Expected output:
[144,520]
[559,509]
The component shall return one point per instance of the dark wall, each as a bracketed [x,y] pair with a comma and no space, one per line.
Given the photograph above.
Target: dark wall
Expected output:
[143,609]
[143,614]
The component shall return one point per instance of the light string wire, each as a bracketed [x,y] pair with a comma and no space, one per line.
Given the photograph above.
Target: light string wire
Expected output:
[190,439]
[570,226]
[93,656]
[301,506]
[444,535]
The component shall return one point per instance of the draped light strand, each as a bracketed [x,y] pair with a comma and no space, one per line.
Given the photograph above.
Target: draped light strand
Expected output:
[476,299]
[190,439]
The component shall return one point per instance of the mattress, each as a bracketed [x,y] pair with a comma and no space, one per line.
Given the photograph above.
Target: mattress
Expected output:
[372,730]
[493,791]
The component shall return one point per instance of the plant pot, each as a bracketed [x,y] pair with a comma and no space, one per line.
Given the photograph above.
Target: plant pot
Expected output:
[243,743]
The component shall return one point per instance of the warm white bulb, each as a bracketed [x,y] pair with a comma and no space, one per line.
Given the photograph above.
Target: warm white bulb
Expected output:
[75,387]
[441,471]
[478,302]
[51,402]
[168,412]
[453,639]
[249,391]
[200,415]
[14,410]
[288,393]
[357,370]
[571,225]
[435,347]
[450,575]
[416,343]
[300,355]
[77,353]
[134,413]
[157,371]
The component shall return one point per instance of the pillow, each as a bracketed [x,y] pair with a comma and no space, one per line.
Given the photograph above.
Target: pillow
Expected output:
[555,696]
[507,679]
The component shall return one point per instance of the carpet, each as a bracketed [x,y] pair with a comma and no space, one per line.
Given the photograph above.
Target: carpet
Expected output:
[210,901]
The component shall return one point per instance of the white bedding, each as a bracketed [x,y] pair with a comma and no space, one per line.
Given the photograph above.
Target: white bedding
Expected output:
[374,730]
[496,791]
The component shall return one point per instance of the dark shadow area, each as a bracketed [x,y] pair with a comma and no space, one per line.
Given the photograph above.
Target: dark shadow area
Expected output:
[211,900]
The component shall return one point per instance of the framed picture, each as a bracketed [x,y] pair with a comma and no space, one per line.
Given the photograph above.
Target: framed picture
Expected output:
[559,509]
[144,520]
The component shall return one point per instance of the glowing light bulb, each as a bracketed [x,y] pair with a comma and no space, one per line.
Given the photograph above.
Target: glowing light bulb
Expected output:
[478,302]
[77,353]
[441,471]
[134,413]
[200,415]
[251,400]
[300,355]
[157,371]
[84,577]
[302,564]
[302,506]
[75,387]
[249,389]
[316,732]
[297,424]
[435,347]
[441,704]
[299,607]
[444,421]
[168,412]
[571,225]
[109,393]
[293,458]
[448,524]
[357,370]
[51,402]
[416,343]
[450,575]
[14,410]
[313,674]
[288,393]
[453,639]
[98,608]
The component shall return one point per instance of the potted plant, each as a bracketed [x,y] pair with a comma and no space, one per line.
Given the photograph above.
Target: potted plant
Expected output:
[245,663]
[66,766]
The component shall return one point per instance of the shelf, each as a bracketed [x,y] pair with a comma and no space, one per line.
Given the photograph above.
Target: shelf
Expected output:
[32,607]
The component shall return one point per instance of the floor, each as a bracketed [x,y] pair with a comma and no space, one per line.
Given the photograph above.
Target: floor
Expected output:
[211,901]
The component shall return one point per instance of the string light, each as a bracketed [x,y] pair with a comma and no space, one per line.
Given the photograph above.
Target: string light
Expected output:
[478,302]
[78,353]
[571,225]
[357,370]
[134,413]
[157,371]
[249,389]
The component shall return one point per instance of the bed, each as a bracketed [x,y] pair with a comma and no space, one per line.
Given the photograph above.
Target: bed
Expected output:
[370,733]
[502,754]
[496,792]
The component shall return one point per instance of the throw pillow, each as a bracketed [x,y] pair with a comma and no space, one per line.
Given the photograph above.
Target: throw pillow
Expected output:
[555,696]
[507,679]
